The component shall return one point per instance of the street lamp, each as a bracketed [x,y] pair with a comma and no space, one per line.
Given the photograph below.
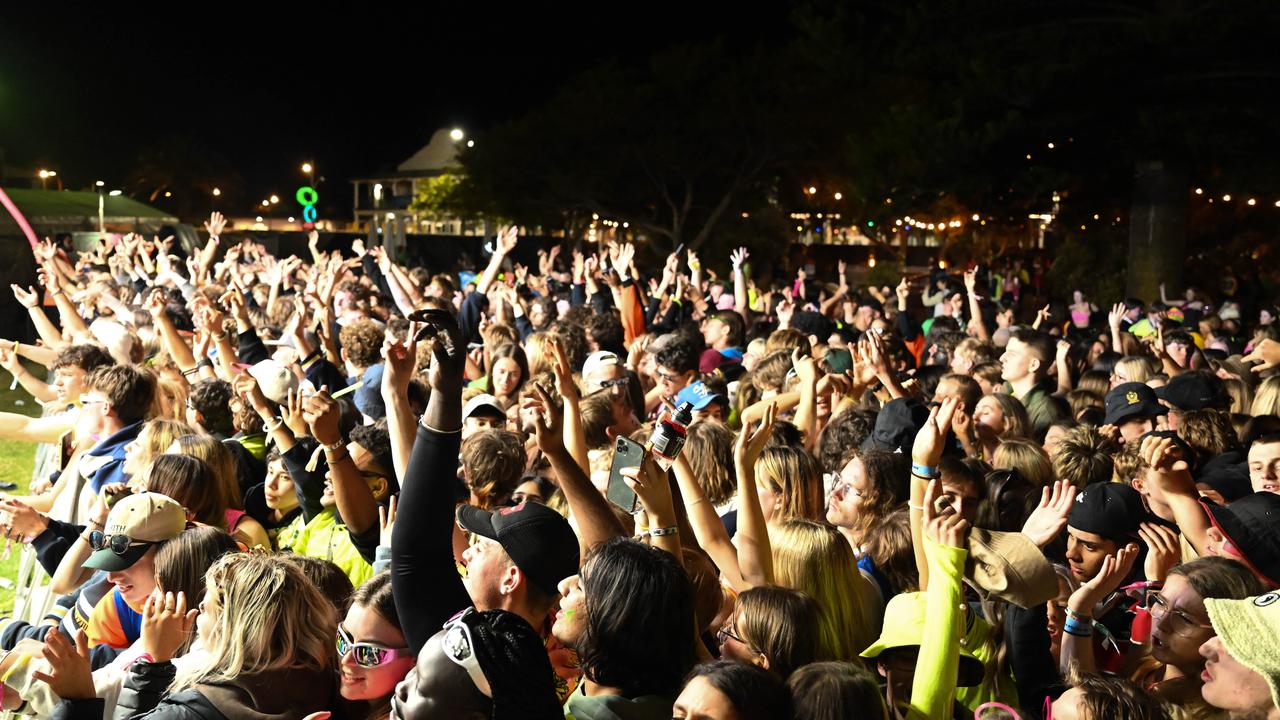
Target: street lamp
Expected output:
[275,199]
[306,168]
[217,192]
[456,134]
[44,178]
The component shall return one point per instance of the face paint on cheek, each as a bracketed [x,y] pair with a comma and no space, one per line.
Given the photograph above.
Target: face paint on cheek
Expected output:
[568,614]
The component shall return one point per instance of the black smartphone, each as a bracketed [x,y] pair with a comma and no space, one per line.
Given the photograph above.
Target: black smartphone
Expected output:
[626,453]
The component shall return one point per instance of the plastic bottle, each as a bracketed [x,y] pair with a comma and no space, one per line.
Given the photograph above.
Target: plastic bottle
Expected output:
[669,435]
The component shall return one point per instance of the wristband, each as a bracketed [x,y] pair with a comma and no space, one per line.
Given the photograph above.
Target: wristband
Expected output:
[924,470]
[314,354]
[663,532]
[144,657]
[1072,614]
[1079,629]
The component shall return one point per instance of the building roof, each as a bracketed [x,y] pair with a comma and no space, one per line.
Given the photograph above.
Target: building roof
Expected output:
[61,207]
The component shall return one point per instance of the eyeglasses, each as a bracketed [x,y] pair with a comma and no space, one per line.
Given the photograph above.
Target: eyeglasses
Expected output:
[668,377]
[617,382]
[368,655]
[92,401]
[1179,622]
[118,544]
[728,633]
[457,645]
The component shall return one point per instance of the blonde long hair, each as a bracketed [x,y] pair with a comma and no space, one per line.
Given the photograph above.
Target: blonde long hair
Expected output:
[815,559]
[266,616]
[795,476]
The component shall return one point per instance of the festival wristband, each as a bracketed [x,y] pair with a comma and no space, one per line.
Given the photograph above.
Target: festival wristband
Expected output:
[663,532]
[924,470]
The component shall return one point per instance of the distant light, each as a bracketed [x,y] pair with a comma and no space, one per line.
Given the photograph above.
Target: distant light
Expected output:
[258,219]
[1252,201]
[53,173]
[595,216]
[747,215]
[942,264]
[471,143]
[1199,191]
[813,190]
[839,196]
[930,226]
[266,203]
[975,217]
[1095,215]
[116,193]
[1226,198]
[391,216]
[44,174]
[457,134]
[100,183]
[897,222]
[275,199]
[871,223]
[306,167]
[871,261]
[1050,146]
[290,219]
[168,194]
[1028,156]
[626,224]
[217,192]
[799,228]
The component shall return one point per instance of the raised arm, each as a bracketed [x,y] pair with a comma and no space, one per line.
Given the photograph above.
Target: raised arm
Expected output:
[976,322]
[708,529]
[925,454]
[595,519]
[398,360]
[755,555]
[48,332]
[1179,488]
[806,418]
[739,258]
[38,388]
[503,244]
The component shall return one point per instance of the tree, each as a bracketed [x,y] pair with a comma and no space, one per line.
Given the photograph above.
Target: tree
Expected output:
[188,170]
[672,148]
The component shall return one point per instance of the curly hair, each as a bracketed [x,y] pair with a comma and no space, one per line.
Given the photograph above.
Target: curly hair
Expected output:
[362,342]
[1084,457]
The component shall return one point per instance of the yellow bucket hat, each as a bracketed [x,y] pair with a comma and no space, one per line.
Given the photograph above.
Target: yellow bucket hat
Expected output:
[904,627]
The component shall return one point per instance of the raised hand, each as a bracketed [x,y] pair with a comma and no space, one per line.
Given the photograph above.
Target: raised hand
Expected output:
[357,246]
[29,298]
[1163,551]
[387,521]
[70,675]
[398,360]
[45,251]
[1267,353]
[785,310]
[738,258]
[579,266]
[166,623]
[215,224]
[506,240]
[1115,568]
[941,524]
[1116,316]
[548,425]
[930,440]
[903,291]
[692,260]
[1050,516]
[650,485]
[323,415]
[156,302]
[565,385]
[291,413]
[805,366]
[971,280]
[751,440]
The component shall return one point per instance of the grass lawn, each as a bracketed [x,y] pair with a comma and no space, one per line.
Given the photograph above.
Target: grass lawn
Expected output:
[17,460]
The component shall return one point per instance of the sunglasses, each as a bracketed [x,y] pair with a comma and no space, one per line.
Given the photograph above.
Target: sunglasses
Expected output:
[118,544]
[616,382]
[459,648]
[368,655]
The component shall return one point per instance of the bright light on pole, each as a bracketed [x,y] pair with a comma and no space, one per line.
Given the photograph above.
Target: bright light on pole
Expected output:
[116,193]
[306,168]
[99,183]
[217,192]
[456,134]
[275,199]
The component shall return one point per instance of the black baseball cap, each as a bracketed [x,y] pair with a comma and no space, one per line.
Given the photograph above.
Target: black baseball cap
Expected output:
[538,539]
[1112,510]
[1192,391]
[1252,524]
[1132,399]
[896,425]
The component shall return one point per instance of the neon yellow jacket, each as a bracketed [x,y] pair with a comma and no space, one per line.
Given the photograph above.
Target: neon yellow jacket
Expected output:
[933,689]
[325,538]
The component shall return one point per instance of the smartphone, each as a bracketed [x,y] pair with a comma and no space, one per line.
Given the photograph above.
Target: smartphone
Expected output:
[626,453]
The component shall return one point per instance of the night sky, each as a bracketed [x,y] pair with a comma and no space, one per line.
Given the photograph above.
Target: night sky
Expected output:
[83,90]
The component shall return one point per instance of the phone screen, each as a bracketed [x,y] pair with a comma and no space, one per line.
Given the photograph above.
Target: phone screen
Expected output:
[626,453]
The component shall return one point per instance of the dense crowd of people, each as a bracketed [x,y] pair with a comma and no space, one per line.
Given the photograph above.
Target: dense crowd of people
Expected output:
[282,487]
